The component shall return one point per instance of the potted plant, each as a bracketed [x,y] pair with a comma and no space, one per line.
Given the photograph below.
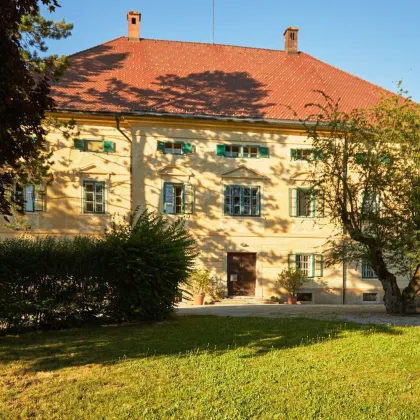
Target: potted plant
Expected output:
[198,284]
[292,281]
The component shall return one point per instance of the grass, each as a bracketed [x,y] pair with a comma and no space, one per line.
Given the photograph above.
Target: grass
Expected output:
[213,368]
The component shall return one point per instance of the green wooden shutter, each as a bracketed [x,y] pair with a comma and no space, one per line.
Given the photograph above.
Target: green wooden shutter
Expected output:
[264,152]
[168,198]
[293,202]
[79,144]
[108,146]
[293,154]
[227,208]
[291,261]
[314,203]
[187,148]
[319,269]
[360,158]
[317,155]
[161,146]
[188,198]
[320,210]
[220,150]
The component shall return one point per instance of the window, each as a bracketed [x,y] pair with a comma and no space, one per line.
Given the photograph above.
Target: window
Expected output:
[370,203]
[367,271]
[242,151]
[370,297]
[304,297]
[94,197]
[304,202]
[31,197]
[305,154]
[174,148]
[242,201]
[178,198]
[232,151]
[85,145]
[310,264]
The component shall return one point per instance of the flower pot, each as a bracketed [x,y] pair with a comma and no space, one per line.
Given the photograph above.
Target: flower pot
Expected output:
[198,299]
[291,300]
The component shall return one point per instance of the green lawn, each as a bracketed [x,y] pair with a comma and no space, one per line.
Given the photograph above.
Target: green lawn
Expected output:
[213,368]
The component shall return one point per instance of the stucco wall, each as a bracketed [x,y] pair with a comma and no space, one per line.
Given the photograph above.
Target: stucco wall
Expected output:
[272,236]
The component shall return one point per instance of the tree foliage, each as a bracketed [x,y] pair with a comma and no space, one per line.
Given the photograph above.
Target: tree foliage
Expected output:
[369,175]
[26,73]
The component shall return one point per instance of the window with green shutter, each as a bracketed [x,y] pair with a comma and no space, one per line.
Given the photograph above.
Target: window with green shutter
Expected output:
[97,146]
[310,264]
[242,200]
[305,202]
[242,151]
[178,198]
[31,198]
[174,148]
[302,154]
[93,197]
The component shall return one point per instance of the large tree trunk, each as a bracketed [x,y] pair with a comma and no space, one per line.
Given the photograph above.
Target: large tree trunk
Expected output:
[411,292]
[405,302]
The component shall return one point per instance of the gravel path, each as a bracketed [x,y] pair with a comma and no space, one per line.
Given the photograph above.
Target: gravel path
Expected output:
[365,314]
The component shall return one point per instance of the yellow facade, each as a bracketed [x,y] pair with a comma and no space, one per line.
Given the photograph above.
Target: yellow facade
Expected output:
[135,174]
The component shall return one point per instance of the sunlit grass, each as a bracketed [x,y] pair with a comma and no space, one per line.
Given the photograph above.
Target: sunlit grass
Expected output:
[213,368]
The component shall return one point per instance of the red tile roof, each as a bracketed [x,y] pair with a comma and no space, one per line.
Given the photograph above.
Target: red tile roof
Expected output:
[204,79]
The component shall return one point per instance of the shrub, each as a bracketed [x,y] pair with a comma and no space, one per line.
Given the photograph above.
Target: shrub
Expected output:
[217,288]
[131,273]
[291,280]
[198,282]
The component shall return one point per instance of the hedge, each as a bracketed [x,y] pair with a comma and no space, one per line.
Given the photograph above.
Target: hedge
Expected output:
[133,272]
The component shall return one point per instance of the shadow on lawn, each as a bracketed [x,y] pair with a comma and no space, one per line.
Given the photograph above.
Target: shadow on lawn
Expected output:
[49,351]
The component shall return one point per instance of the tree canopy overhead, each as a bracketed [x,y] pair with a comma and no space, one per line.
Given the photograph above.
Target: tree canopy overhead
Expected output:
[370,177]
[25,76]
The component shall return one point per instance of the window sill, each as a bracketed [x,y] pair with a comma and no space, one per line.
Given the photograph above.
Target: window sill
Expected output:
[93,214]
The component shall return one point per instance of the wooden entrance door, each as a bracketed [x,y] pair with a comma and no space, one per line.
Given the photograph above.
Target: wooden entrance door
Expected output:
[242,275]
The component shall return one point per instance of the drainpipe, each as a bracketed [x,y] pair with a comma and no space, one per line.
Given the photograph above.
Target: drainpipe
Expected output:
[345,207]
[118,122]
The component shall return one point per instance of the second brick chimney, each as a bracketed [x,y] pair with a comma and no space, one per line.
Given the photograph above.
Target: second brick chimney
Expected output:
[291,40]
[133,20]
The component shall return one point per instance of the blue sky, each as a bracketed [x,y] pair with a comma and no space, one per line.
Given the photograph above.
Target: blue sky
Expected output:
[376,40]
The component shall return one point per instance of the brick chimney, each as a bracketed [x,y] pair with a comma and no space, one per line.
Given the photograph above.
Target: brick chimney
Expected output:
[291,40]
[133,20]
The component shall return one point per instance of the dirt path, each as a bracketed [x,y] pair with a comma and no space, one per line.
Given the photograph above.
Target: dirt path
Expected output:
[365,314]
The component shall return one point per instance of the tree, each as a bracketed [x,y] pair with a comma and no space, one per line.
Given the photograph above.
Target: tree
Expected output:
[26,73]
[369,172]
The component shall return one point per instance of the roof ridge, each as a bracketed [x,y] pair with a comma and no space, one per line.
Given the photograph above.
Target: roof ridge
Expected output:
[210,43]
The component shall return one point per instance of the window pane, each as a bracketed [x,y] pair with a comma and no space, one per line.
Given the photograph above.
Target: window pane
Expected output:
[168,147]
[178,199]
[89,207]
[177,148]
[303,263]
[98,188]
[232,151]
[89,196]
[99,208]
[89,187]
[250,151]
